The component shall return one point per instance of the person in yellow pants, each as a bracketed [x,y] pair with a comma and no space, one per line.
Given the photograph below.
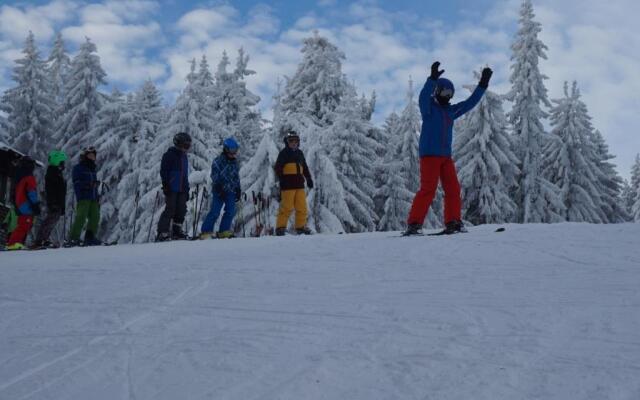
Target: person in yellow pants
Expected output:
[292,171]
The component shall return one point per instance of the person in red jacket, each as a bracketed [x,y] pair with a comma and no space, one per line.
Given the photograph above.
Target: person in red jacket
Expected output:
[26,203]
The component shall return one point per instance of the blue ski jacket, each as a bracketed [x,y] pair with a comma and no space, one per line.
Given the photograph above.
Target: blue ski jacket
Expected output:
[226,173]
[174,171]
[85,181]
[436,136]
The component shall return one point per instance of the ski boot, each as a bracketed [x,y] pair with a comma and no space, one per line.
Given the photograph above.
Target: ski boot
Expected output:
[163,237]
[177,233]
[281,231]
[15,247]
[452,227]
[91,240]
[303,231]
[225,235]
[72,243]
[205,236]
[413,230]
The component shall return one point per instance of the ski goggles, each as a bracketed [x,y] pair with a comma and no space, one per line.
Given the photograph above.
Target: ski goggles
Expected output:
[293,140]
[445,92]
[90,150]
[232,152]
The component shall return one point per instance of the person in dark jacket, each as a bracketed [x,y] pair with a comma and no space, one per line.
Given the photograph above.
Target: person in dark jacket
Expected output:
[436,163]
[55,188]
[225,177]
[86,186]
[292,171]
[174,172]
[26,202]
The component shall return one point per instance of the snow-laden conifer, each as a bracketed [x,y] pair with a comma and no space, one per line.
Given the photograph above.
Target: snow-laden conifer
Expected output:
[487,167]
[572,160]
[82,100]
[29,105]
[538,199]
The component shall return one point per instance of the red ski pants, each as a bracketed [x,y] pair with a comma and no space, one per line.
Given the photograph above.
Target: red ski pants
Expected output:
[19,235]
[432,170]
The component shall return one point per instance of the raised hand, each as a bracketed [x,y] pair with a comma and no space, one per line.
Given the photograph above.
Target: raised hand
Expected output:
[485,78]
[435,73]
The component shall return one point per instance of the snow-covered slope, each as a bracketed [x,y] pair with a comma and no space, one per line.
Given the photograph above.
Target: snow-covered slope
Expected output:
[538,312]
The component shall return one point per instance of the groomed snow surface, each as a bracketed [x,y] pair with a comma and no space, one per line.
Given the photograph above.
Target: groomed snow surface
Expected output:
[537,312]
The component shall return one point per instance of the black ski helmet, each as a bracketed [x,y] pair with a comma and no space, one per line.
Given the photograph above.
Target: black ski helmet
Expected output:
[182,140]
[291,134]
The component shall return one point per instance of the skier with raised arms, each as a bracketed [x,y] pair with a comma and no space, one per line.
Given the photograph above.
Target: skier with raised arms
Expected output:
[436,162]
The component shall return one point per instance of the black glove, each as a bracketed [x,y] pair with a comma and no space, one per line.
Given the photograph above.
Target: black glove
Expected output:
[219,189]
[165,188]
[238,195]
[36,209]
[309,183]
[435,73]
[486,77]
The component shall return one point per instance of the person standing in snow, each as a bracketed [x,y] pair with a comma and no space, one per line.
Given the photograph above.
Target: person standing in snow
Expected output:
[55,188]
[436,163]
[26,202]
[86,186]
[174,172]
[225,177]
[292,171]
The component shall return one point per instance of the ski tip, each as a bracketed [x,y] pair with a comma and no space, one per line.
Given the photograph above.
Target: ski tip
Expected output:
[501,229]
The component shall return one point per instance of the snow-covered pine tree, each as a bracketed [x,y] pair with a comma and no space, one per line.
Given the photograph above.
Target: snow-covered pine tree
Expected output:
[627,199]
[572,159]
[258,176]
[234,105]
[137,184]
[635,189]
[353,153]
[537,198]
[191,115]
[487,168]
[114,127]
[30,105]
[610,183]
[309,104]
[82,100]
[388,132]
[59,66]
[313,94]
[402,167]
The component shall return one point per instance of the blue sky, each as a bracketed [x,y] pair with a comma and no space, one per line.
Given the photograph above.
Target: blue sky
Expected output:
[386,42]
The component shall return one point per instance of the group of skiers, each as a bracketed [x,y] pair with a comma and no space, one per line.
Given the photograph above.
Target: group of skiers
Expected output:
[290,167]
[436,165]
[28,205]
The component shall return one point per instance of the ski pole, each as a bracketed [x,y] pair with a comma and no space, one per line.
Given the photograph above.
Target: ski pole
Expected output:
[155,205]
[243,197]
[195,210]
[257,213]
[205,195]
[135,217]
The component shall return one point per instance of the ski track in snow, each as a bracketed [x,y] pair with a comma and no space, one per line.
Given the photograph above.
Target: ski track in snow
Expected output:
[537,312]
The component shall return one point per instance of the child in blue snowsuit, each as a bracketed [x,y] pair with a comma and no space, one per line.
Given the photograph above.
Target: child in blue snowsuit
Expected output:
[225,176]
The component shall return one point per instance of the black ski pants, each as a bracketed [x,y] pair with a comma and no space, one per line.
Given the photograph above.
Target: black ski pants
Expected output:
[175,210]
